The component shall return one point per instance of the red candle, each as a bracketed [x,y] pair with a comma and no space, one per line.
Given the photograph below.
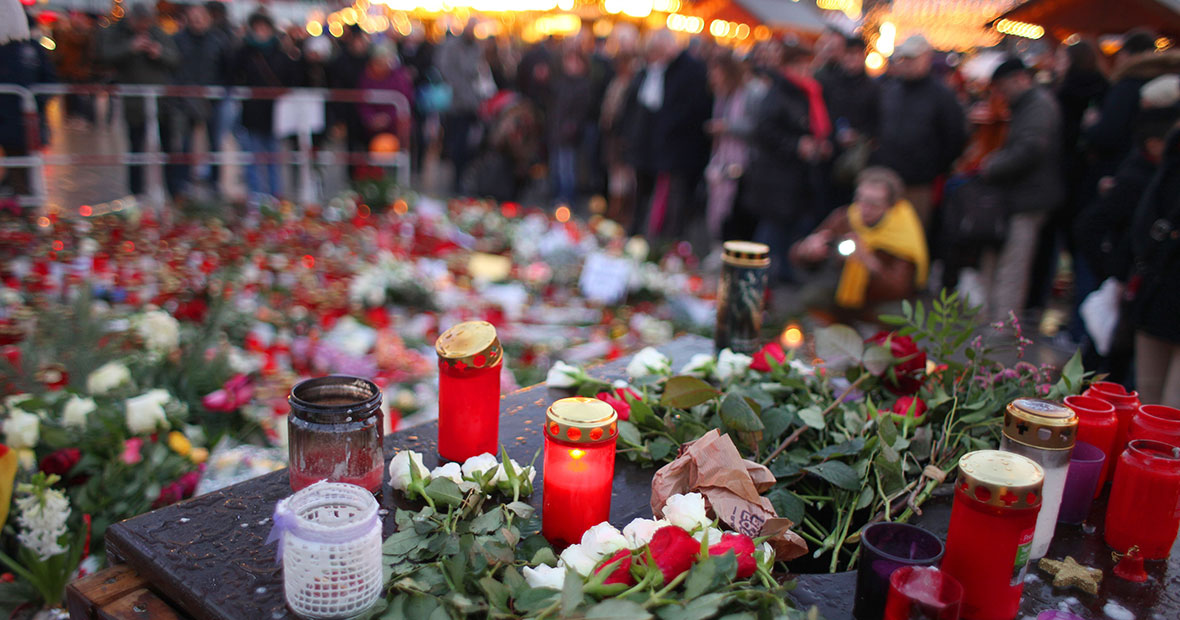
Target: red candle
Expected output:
[1125,405]
[1144,507]
[1097,425]
[469,362]
[923,592]
[997,499]
[578,469]
[334,432]
[1158,422]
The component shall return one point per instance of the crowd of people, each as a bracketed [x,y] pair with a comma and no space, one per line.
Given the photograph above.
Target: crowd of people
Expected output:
[868,190]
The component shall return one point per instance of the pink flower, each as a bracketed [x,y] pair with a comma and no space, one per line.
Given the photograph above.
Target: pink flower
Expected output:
[131,448]
[236,392]
[618,400]
[772,350]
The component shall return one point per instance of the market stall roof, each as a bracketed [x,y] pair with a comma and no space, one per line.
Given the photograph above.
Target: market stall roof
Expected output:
[1062,18]
[785,14]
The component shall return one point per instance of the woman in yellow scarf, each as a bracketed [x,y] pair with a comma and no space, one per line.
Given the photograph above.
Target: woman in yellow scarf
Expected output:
[878,240]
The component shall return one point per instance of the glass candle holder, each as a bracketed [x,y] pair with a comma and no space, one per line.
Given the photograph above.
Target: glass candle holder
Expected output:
[1158,422]
[885,548]
[993,518]
[1142,510]
[334,432]
[923,593]
[1097,425]
[469,361]
[1057,614]
[579,468]
[1085,469]
[330,546]
[1126,403]
[741,295]
[1045,432]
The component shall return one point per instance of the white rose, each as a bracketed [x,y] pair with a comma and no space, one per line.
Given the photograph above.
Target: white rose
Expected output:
[399,469]
[521,472]
[765,554]
[107,377]
[732,365]
[577,558]
[698,366]
[160,331]
[562,375]
[602,540]
[477,466]
[77,410]
[639,532]
[450,471]
[713,533]
[145,413]
[543,576]
[22,429]
[686,511]
[648,362]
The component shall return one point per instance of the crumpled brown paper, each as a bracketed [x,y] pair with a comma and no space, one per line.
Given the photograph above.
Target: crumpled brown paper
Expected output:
[732,487]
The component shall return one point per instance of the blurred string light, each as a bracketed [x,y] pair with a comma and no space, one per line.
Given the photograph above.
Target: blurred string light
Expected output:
[953,26]
[48,43]
[850,8]
[1020,29]
[886,39]
[874,61]
[315,28]
[722,29]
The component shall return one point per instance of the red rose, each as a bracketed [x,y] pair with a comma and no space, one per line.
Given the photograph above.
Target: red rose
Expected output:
[673,550]
[762,358]
[905,403]
[61,461]
[909,362]
[742,546]
[621,573]
[170,494]
[618,400]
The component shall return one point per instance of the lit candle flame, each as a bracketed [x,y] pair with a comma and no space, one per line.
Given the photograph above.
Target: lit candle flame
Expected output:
[577,454]
[792,336]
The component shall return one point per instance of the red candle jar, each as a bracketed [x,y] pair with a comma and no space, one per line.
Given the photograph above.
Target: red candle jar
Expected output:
[578,469]
[1097,425]
[994,516]
[334,432]
[1158,422]
[1125,405]
[1144,506]
[469,361]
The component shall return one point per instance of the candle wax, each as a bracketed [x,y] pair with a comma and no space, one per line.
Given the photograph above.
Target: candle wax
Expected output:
[1144,506]
[359,468]
[468,412]
[577,489]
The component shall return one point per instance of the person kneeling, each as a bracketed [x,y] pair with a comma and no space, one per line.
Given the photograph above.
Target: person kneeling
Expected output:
[866,256]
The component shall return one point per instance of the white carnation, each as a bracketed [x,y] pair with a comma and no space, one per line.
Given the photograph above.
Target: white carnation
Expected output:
[160,331]
[544,576]
[145,413]
[22,429]
[77,410]
[562,375]
[577,558]
[602,540]
[732,365]
[399,469]
[639,532]
[687,511]
[107,377]
[450,471]
[648,362]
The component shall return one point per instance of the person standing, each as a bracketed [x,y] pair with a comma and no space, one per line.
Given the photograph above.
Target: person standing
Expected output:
[1111,137]
[142,53]
[204,50]
[262,62]
[730,127]
[385,72]
[22,62]
[461,63]
[1027,170]
[922,126]
[853,100]
[74,58]
[569,111]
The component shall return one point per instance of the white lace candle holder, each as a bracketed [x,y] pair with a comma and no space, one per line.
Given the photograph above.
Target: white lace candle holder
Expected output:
[330,546]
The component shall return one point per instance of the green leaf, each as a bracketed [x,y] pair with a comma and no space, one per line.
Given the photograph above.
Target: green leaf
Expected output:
[661,448]
[544,556]
[886,429]
[775,421]
[787,505]
[488,522]
[521,509]
[617,609]
[892,478]
[813,417]
[701,578]
[643,416]
[629,434]
[402,542]
[877,359]
[571,592]
[845,448]
[866,498]
[444,490]
[837,473]
[737,414]
[684,392]
[839,346]
[496,592]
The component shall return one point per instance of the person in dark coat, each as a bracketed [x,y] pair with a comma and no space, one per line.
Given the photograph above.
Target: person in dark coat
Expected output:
[1027,170]
[23,63]
[262,62]
[346,70]
[1111,138]
[922,126]
[670,147]
[205,51]
[569,112]
[853,100]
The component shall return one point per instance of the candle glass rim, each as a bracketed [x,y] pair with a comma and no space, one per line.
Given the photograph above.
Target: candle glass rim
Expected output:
[865,541]
[1154,449]
[944,579]
[1098,455]
[1070,400]
[1150,412]
[298,397]
[1107,388]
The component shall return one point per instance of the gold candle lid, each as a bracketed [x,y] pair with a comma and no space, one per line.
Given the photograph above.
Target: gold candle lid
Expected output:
[1041,423]
[1001,479]
[472,344]
[746,254]
[579,419]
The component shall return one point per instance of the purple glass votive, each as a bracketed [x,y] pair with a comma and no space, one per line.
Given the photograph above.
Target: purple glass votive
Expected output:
[1085,469]
[884,548]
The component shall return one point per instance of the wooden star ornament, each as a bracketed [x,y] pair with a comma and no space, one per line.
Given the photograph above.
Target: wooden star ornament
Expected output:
[1069,574]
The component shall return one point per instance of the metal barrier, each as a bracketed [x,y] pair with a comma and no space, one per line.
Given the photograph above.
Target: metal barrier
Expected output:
[153,158]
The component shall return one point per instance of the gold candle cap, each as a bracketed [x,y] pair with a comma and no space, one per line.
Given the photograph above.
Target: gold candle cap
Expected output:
[1041,423]
[472,344]
[1001,479]
[746,254]
[581,420]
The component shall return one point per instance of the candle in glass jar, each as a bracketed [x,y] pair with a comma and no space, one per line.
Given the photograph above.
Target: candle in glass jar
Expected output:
[334,432]
[469,362]
[1144,506]
[994,515]
[1097,425]
[1045,432]
[1158,422]
[579,467]
[1126,403]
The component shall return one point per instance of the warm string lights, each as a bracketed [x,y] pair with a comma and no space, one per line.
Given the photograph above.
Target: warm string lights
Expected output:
[1020,29]
[958,26]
